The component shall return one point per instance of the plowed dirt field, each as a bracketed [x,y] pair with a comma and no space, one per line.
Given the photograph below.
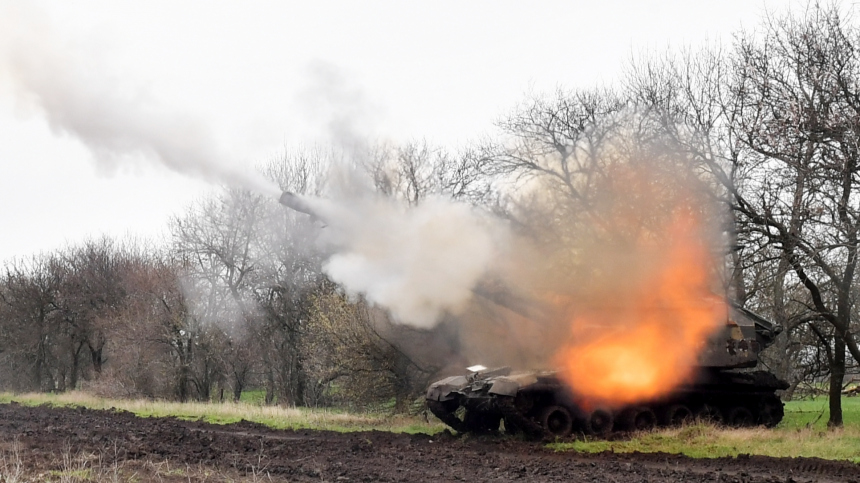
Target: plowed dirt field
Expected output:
[65,444]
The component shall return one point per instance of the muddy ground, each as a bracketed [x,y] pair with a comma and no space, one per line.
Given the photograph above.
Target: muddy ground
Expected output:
[65,444]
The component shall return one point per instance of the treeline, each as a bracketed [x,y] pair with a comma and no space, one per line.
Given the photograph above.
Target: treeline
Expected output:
[237,300]
[770,124]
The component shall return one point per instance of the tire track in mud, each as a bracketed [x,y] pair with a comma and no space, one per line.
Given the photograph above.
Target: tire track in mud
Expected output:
[306,455]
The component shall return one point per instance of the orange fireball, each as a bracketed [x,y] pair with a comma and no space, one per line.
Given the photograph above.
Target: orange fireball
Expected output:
[641,339]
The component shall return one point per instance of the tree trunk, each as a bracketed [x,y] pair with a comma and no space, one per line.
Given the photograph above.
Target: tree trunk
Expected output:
[837,374]
[297,386]
[204,383]
[76,366]
[73,374]
[96,355]
[184,370]
[182,384]
[60,382]
[238,386]
[40,364]
[284,389]
[270,386]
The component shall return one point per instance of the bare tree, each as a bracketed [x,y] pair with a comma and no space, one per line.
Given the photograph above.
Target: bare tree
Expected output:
[776,124]
[30,322]
[290,271]
[416,170]
[93,293]
[216,242]
[563,137]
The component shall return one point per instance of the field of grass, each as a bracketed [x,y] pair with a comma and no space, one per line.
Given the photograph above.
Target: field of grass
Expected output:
[704,441]
[813,413]
[803,431]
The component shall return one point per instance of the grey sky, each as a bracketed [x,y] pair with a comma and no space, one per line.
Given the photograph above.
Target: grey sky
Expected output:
[437,70]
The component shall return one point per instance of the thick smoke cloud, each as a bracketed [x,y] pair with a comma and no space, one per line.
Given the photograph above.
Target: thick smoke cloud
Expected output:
[77,98]
[419,262]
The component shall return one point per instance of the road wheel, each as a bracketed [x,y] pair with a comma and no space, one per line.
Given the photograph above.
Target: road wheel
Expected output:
[770,411]
[709,414]
[640,418]
[557,421]
[739,417]
[675,415]
[598,422]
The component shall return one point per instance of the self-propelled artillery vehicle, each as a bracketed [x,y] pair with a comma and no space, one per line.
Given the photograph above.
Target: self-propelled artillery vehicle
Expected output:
[723,389]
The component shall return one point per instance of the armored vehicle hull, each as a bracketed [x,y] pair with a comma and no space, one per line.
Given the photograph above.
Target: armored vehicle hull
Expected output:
[723,389]
[540,403]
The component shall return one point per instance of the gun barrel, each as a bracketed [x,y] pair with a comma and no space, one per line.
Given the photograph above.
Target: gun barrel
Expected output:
[293,201]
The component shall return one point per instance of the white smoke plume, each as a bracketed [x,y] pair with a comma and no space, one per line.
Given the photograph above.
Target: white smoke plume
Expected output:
[420,262]
[345,115]
[117,124]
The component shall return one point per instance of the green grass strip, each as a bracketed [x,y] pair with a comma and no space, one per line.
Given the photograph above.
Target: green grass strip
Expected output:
[803,432]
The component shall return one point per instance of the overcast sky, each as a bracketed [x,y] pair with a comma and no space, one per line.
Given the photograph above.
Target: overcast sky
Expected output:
[259,75]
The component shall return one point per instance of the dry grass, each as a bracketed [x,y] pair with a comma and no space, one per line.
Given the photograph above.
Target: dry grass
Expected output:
[706,441]
[17,465]
[803,432]
[11,466]
[228,412]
